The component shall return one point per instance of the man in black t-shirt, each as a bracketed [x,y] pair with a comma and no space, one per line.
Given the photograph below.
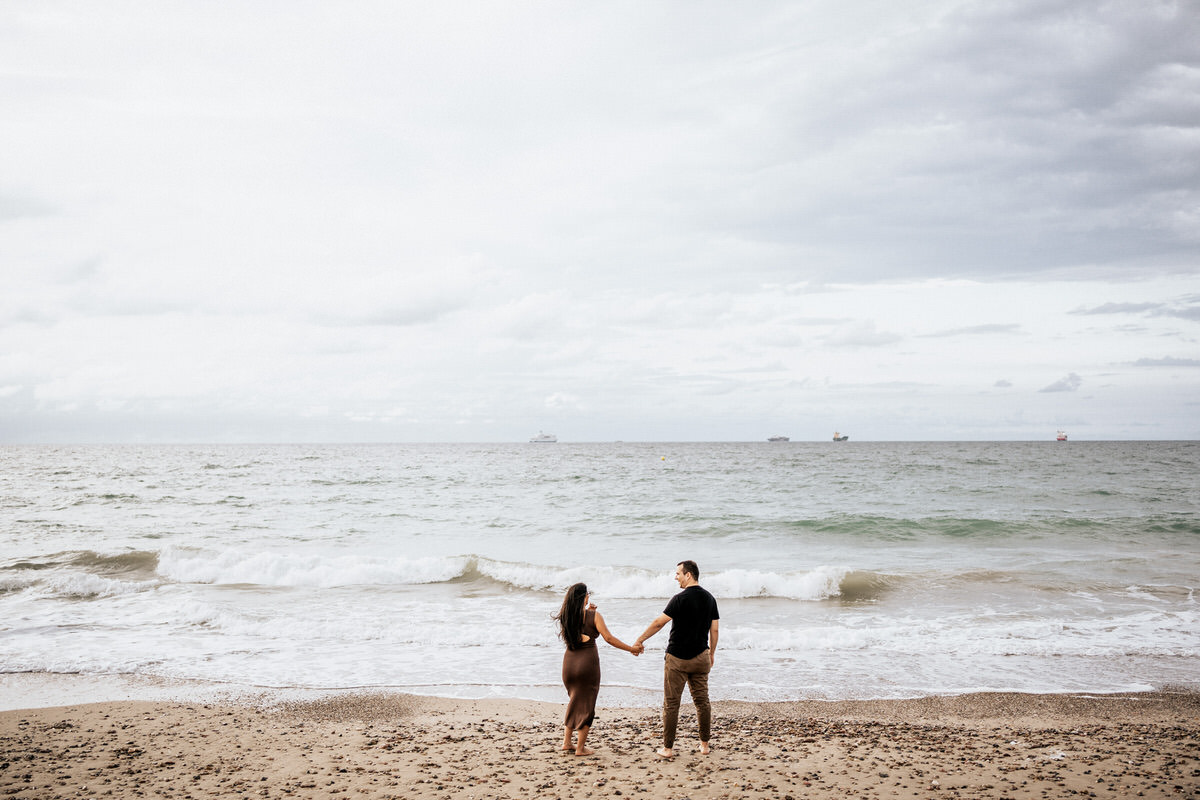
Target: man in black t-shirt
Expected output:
[691,651]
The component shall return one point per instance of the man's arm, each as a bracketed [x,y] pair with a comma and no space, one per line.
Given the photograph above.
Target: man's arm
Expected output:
[713,633]
[611,637]
[655,627]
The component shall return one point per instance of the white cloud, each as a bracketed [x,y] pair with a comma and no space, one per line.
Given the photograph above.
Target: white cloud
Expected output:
[562,400]
[408,222]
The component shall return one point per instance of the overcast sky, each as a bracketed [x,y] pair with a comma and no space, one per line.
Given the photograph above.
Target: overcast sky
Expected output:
[319,221]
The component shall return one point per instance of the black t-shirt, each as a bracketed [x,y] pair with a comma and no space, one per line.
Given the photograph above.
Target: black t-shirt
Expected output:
[692,612]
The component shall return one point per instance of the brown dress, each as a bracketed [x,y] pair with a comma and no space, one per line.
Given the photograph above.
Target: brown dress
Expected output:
[581,676]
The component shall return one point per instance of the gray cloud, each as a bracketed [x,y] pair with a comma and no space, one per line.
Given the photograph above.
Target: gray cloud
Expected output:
[82,271]
[1168,361]
[1187,307]
[1119,308]
[26,314]
[1189,313]
[974,330]
[1024,116]
[1068,384]
[860,334]
[15,206]
[667,221]
[392,315]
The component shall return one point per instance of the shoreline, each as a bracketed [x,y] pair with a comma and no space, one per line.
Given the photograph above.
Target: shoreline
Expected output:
[391,745]
[34,689]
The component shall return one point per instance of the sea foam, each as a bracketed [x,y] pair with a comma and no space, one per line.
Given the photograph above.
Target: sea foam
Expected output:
[280,569]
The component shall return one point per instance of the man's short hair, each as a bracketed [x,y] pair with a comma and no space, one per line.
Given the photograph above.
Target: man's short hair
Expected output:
[690,567]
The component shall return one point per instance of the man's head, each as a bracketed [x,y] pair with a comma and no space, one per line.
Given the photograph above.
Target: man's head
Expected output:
[687,573]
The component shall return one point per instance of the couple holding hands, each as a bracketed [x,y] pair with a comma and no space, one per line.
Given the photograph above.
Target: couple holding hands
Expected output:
[690,651]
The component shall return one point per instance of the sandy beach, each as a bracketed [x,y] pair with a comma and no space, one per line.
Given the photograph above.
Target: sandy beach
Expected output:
[402,746]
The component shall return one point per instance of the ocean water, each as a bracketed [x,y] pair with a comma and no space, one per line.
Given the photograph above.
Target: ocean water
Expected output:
[848,570]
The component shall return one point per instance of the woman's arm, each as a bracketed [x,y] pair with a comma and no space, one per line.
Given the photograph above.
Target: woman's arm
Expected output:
[609,637]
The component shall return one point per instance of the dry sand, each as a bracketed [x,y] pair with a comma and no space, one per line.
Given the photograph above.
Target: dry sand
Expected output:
[399,746]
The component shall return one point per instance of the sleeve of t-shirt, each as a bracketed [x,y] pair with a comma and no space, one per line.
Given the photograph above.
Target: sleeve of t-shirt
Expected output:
[715,614]
[672,607]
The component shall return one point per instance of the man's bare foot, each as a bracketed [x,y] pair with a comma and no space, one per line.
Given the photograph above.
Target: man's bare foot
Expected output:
[704,749]
[587,751]
[664,752]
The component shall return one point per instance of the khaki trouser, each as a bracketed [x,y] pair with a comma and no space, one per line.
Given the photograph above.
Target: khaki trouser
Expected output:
[694,673]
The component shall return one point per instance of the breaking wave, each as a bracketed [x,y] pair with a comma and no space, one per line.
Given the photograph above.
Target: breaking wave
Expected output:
[89,574]
[284,569]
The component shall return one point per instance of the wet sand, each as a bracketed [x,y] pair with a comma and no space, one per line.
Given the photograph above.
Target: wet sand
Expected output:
[401,746]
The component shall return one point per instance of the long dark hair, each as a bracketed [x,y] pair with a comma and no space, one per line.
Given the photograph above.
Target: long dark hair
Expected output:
[570,616]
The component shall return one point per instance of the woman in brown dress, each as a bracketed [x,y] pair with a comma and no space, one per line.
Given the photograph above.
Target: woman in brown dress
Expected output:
[579,623]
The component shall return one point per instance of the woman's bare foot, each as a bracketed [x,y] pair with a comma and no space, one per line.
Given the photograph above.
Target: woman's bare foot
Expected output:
[585,751]
[581,749]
